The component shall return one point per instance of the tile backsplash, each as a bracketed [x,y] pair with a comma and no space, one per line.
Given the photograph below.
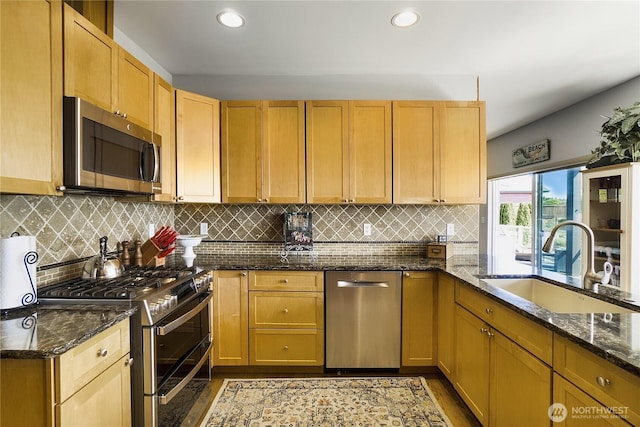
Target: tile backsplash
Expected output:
[67,228]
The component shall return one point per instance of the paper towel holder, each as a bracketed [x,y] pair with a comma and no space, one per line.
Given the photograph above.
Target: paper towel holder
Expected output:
[30,258]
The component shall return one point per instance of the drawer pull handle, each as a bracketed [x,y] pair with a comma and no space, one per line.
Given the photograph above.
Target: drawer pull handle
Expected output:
[102,352]
[285,280]
[285,311]
[286,348]
[488,310]
[129,362]
[602,381]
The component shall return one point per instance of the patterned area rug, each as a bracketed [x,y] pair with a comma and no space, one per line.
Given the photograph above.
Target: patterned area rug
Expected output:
[331,402]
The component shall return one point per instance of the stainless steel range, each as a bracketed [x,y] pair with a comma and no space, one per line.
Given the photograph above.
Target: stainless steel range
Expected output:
[170,333]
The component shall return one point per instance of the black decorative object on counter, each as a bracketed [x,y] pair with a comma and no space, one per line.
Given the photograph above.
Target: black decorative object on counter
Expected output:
[298,231]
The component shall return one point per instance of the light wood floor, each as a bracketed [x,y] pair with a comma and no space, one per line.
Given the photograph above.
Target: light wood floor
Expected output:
[444,393]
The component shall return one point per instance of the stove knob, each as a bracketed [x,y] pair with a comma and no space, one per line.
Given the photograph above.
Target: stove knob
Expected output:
[174,301]
[153,308]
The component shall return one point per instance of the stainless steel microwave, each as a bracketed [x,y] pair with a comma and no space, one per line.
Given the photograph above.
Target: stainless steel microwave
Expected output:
[104,153]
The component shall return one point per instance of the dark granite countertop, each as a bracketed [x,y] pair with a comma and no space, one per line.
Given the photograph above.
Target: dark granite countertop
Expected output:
[615,338]
[48,330]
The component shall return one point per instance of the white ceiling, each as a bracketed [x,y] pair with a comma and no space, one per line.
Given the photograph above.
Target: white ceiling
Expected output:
[531,58]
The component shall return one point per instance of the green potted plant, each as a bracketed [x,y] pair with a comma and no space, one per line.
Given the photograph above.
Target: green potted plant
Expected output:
[620,138]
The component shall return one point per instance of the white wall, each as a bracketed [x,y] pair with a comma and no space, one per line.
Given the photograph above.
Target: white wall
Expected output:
[131,47]
[573,131]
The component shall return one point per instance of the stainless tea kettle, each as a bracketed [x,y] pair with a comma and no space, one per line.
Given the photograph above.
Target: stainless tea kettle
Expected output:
[102,266]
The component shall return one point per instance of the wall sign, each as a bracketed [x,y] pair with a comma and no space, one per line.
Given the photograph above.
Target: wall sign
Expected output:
[534,153]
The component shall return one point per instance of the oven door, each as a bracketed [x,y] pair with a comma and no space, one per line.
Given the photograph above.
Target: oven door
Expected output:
[176,354]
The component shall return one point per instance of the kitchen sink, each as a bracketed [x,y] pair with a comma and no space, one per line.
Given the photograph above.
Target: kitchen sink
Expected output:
[554,298]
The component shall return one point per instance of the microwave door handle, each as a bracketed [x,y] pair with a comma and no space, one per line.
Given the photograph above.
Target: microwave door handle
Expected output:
[143,150]
[156,163]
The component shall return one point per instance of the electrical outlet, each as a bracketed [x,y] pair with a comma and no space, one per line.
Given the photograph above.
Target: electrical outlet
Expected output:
[366,229]
[451,229]
[204,229]
[151,230]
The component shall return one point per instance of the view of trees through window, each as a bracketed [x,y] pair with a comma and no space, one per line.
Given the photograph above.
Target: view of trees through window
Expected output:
[527,208]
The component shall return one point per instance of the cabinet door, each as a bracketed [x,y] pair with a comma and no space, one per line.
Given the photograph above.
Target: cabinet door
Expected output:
[577,400]
[241,151]
[104,402]
[283,145]
[520,392]
[90,61]
[446,306]
[197,148]
[135,90]
[230,318]
[164,124]
[30,97]
[370,172]
[418,319]
[327,151]
[472,362]
[463,153]
[415,152]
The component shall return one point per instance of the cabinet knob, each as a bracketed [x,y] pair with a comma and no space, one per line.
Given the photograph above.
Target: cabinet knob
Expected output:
[180,197]
[285,311]
[407,274]
[443,201]
[484,330]
[346,200]
[102,352]
[61,188]
[125,116]
[602,381]
[243,274]
[117,112]
[266,200]
[285,280]
[488,310]
[259,200]
[129,362]
[285,348]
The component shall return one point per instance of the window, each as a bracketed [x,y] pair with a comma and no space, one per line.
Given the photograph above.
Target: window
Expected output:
[523,211]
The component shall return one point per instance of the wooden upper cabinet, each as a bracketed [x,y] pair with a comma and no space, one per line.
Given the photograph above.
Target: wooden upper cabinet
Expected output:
[327,151]
[197,148]
[241,151]
[349,152]
[415,151]
[99,12]
[134,90]
[439,152]
[463,152]
[263,152]
[164,124]
[30,97]
[97,70]
[90,61]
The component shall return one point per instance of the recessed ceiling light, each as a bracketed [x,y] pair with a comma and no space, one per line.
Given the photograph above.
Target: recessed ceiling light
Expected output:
[405,19]
[230,19]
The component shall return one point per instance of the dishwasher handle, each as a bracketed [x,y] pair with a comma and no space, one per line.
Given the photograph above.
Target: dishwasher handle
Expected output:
[361,284]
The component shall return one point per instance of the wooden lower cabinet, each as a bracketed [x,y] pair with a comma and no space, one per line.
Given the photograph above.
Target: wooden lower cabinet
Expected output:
[599,379]
[579,408]
[89,385]
[276,347]
[503,384]
[286,318]
[230,318]
[418,318]
[445,324]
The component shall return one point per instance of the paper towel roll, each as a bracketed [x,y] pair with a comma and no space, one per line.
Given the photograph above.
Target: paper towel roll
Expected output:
[17,271]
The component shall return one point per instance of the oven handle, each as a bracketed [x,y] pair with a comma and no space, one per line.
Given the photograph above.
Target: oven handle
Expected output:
[165,329]
[166,398]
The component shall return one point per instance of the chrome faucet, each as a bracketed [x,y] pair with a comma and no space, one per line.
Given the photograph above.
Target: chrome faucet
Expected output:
[591,278]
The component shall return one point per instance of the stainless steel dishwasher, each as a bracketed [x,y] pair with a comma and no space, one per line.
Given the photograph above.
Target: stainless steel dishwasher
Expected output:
[363,315]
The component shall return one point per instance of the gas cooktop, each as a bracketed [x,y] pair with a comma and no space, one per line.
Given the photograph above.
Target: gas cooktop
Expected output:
[135,283]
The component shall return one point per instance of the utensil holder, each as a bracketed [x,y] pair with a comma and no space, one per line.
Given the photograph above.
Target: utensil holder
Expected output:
[150,252]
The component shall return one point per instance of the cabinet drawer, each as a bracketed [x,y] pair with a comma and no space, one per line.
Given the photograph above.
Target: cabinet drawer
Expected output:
[286,280]
[304,347]
[533,337]
[105,401]
[577,403]
[606,382]
[78,366]
[286,310]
